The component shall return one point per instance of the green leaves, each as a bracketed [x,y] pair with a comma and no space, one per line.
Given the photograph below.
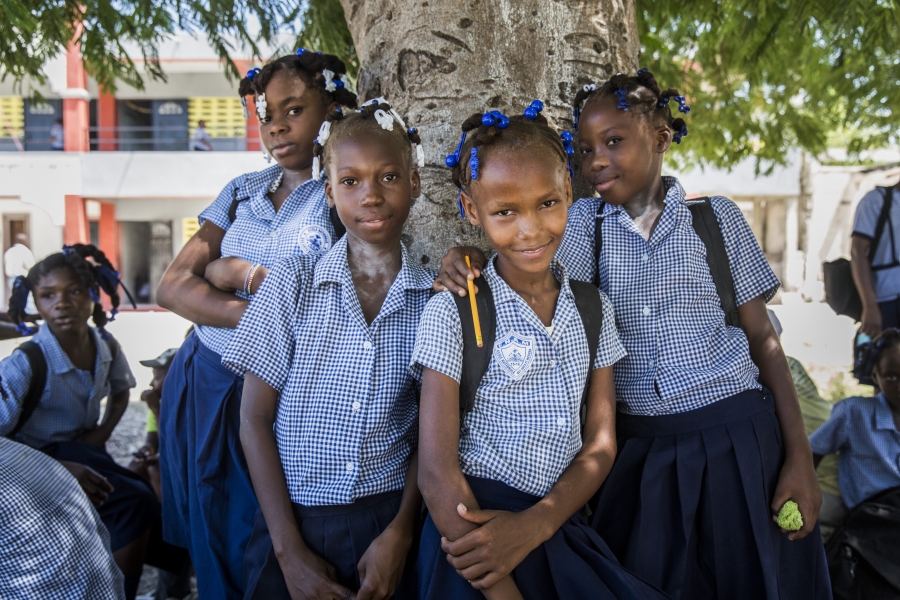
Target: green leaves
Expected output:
[36,31]
[764,76]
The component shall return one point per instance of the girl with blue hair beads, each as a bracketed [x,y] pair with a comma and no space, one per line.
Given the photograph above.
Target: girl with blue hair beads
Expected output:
[52,387]
[329,414]
[259,218]
[711,442]
[506,461]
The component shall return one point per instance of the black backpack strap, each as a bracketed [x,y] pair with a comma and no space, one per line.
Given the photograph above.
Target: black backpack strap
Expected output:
[884,218]
[235,200]
[590,309]
[598,242]
[336,224]
[707,228]
[475,360]
[38,364]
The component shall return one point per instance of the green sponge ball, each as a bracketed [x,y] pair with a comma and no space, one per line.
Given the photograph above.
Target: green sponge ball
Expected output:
[789,516]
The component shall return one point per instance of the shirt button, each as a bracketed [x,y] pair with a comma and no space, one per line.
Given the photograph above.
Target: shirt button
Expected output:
[367,345]
[552,363]
[645,257]
[646,310]
[349,466]
[356,405]
[561,421]
[273,234]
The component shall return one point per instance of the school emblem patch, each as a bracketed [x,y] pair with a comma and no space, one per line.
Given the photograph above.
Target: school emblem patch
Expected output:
[515,353]
[313,239]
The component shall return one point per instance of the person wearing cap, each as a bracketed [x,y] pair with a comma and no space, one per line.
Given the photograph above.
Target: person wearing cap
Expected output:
[151,396]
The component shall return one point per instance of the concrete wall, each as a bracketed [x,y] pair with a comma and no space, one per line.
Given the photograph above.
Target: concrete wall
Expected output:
[46,237]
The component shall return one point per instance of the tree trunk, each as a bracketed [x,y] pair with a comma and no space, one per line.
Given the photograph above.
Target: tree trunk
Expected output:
[439,61]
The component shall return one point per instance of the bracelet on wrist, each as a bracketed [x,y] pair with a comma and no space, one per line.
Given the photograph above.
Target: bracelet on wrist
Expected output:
[247,280]
[250,278]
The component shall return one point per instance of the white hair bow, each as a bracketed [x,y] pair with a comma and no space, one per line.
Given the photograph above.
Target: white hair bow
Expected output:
[261,106]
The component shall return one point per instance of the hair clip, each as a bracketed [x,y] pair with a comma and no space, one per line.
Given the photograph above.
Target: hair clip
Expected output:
[261,105]
[532,111]
[462,211]
[385,120]
[623,103]
[567,146]
[316,168]
[682,107]
[420,151]
[473,163]
[300,51]
[67,250]
[24,329]
[663,101]
[95,295]
[642,71]
[332,80]
[680,134]
[453,159]
[252,73]
[495,117]
[324,133]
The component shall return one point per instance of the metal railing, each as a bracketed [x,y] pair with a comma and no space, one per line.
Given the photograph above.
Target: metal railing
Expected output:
[132,138]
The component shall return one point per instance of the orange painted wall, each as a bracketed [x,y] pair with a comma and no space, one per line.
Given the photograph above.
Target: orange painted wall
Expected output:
[76,230]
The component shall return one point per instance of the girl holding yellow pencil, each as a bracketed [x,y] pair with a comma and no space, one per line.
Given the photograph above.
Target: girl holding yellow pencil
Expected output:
[506,479]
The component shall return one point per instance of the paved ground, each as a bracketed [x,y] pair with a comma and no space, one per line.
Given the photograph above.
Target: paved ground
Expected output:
[812,334]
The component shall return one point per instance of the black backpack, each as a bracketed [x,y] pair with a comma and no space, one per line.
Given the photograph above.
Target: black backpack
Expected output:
[840,289]
[476,360]
[706,226]
[339,229]
[38,363]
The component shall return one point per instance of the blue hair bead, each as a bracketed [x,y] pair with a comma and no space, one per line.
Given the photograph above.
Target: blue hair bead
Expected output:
[531,113]
[642,71]
[537,105]
[503,122]
[462,211]
[24,329]
[451,161]
[300,51]
[566,137]
[338,83]
[250,75]
[411,131]
[67,250]
[487,119]
[473,163]
[623,104]
[663,101]
[680,134]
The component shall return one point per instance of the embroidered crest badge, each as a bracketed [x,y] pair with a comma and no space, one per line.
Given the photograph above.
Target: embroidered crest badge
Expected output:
[313,239]
[515,353]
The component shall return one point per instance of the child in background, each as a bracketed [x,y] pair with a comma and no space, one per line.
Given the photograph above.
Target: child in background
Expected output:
[505,481]
[259,218]
[146,462]
[329,414]
[707,453]
[84,365]
[866,431]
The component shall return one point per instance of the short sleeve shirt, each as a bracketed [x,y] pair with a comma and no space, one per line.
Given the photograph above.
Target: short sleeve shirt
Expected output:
[260,235]
[347,420]
[52,541]
[681,354]
[886,281]
[525,426]
[70,404]
[863,431]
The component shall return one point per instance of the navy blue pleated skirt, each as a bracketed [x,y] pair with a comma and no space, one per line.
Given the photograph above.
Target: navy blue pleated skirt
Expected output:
[131,509]
[339,534]
[686,505]
[574,563]
[208,504]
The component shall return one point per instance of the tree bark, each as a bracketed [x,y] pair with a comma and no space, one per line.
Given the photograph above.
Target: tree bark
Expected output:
[439,61]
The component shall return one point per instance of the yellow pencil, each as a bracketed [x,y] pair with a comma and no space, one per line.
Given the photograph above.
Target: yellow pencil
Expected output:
[478,339]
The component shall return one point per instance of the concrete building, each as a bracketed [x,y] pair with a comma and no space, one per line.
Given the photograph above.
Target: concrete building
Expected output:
[127,181]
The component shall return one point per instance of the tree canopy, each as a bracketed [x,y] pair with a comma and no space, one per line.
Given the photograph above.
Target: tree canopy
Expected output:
[762,76]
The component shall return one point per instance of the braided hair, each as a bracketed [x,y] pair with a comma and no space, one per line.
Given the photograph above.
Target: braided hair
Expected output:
[318,71]
[868,355]
[374,115]
[639,94]
[90,265]
[489,133]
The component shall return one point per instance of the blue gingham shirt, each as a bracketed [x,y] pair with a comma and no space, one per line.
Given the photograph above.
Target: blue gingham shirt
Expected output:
[681,354]
[260,235]
[863,431]
[886,281]
[52,541]
[70,404]
[347,420]
[525,426]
